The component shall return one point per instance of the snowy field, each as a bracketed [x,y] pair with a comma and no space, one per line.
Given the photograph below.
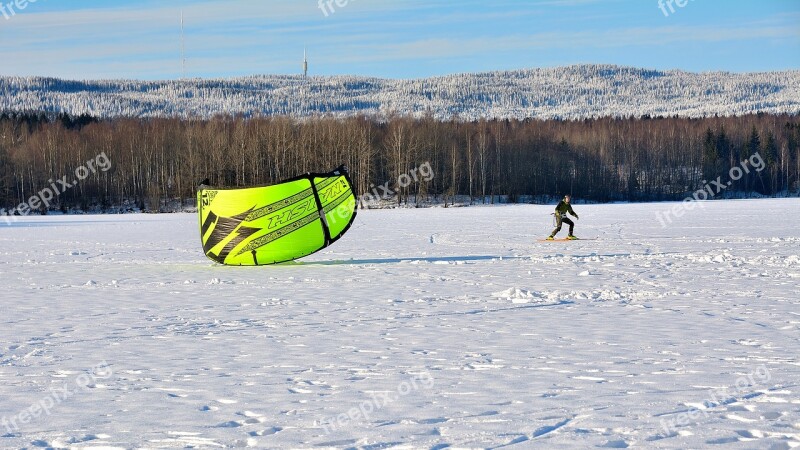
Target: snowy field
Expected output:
[421,329]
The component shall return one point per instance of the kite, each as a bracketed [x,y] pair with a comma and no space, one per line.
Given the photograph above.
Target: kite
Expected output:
[278,223]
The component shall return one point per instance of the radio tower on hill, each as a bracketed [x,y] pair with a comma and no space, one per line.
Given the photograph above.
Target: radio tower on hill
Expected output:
[305,63]
[183,51]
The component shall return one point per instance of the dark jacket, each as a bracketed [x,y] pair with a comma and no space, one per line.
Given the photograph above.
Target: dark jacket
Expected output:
[563,208]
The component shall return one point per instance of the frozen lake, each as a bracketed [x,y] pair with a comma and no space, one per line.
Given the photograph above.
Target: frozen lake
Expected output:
[428,328]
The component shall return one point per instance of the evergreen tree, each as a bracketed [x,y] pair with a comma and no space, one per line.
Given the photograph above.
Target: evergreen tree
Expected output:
[5,179]
[753,142]
[753,147]
[772,169]
[793,149]
[725,149]
[711,155]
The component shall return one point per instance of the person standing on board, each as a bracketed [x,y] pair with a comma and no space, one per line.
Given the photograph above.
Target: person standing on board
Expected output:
[561,216]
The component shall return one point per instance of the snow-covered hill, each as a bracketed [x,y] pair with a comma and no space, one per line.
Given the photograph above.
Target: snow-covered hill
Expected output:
[574,92]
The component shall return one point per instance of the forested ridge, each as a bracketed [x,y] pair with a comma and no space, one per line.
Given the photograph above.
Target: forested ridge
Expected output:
[566,93]
[155,162]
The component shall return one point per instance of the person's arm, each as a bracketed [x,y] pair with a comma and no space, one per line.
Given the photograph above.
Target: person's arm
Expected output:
[571,211]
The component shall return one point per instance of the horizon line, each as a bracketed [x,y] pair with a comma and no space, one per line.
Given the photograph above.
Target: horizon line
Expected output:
[322,76]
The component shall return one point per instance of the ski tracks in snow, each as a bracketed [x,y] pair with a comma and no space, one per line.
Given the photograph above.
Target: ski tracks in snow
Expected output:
[637,340]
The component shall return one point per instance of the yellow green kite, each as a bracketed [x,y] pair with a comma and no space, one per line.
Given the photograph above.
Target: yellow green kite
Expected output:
[273,224]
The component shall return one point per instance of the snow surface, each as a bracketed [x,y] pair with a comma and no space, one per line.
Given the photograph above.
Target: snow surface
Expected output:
[447,327]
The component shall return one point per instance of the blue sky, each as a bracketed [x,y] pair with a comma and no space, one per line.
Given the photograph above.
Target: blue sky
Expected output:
[91,39]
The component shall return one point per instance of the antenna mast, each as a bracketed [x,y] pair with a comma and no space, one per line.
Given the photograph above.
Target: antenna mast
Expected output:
[305,63]
[183,51]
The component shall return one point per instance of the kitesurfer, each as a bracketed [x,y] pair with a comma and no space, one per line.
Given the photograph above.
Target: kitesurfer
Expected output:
[562,209]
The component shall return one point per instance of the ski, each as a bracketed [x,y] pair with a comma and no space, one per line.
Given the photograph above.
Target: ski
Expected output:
[567,240]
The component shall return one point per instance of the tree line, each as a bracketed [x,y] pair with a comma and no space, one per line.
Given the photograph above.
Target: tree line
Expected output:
[157,163]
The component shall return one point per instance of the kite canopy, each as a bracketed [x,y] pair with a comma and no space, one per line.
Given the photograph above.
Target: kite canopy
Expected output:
[274,224]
